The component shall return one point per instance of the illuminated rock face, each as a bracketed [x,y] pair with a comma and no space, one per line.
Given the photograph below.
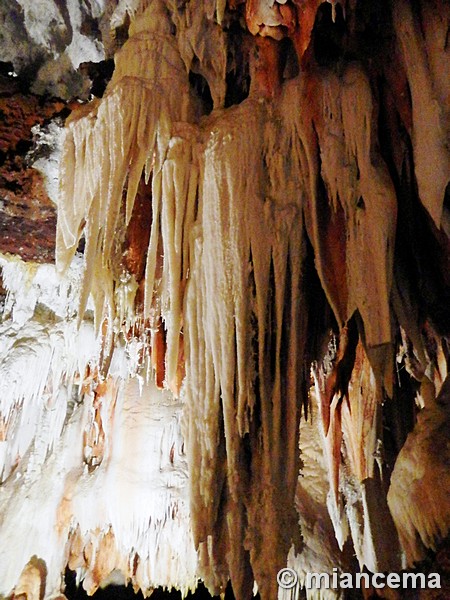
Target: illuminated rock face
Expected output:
[246,366]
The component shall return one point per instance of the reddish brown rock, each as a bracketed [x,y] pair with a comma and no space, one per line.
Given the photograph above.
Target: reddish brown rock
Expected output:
[27,215]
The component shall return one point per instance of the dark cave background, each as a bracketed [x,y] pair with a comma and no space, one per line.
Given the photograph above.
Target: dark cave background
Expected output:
[120,592]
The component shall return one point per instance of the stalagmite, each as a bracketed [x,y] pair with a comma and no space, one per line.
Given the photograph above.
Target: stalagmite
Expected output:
[239,361]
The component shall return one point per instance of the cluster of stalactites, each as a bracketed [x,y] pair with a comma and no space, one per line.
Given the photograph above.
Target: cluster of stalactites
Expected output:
[107,150]
[232,198]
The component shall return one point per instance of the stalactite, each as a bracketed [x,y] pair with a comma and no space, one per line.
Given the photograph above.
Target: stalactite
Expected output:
[100,161]
[362,196]
[430,111]
[248,234]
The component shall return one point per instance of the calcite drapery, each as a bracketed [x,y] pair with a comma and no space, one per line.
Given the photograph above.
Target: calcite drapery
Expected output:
[271,223]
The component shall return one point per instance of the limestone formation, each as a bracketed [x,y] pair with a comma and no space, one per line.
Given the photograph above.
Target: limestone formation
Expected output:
[230,353]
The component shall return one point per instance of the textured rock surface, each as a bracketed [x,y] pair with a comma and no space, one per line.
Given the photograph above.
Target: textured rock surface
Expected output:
[252,217]
[46,41]
[28,215]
